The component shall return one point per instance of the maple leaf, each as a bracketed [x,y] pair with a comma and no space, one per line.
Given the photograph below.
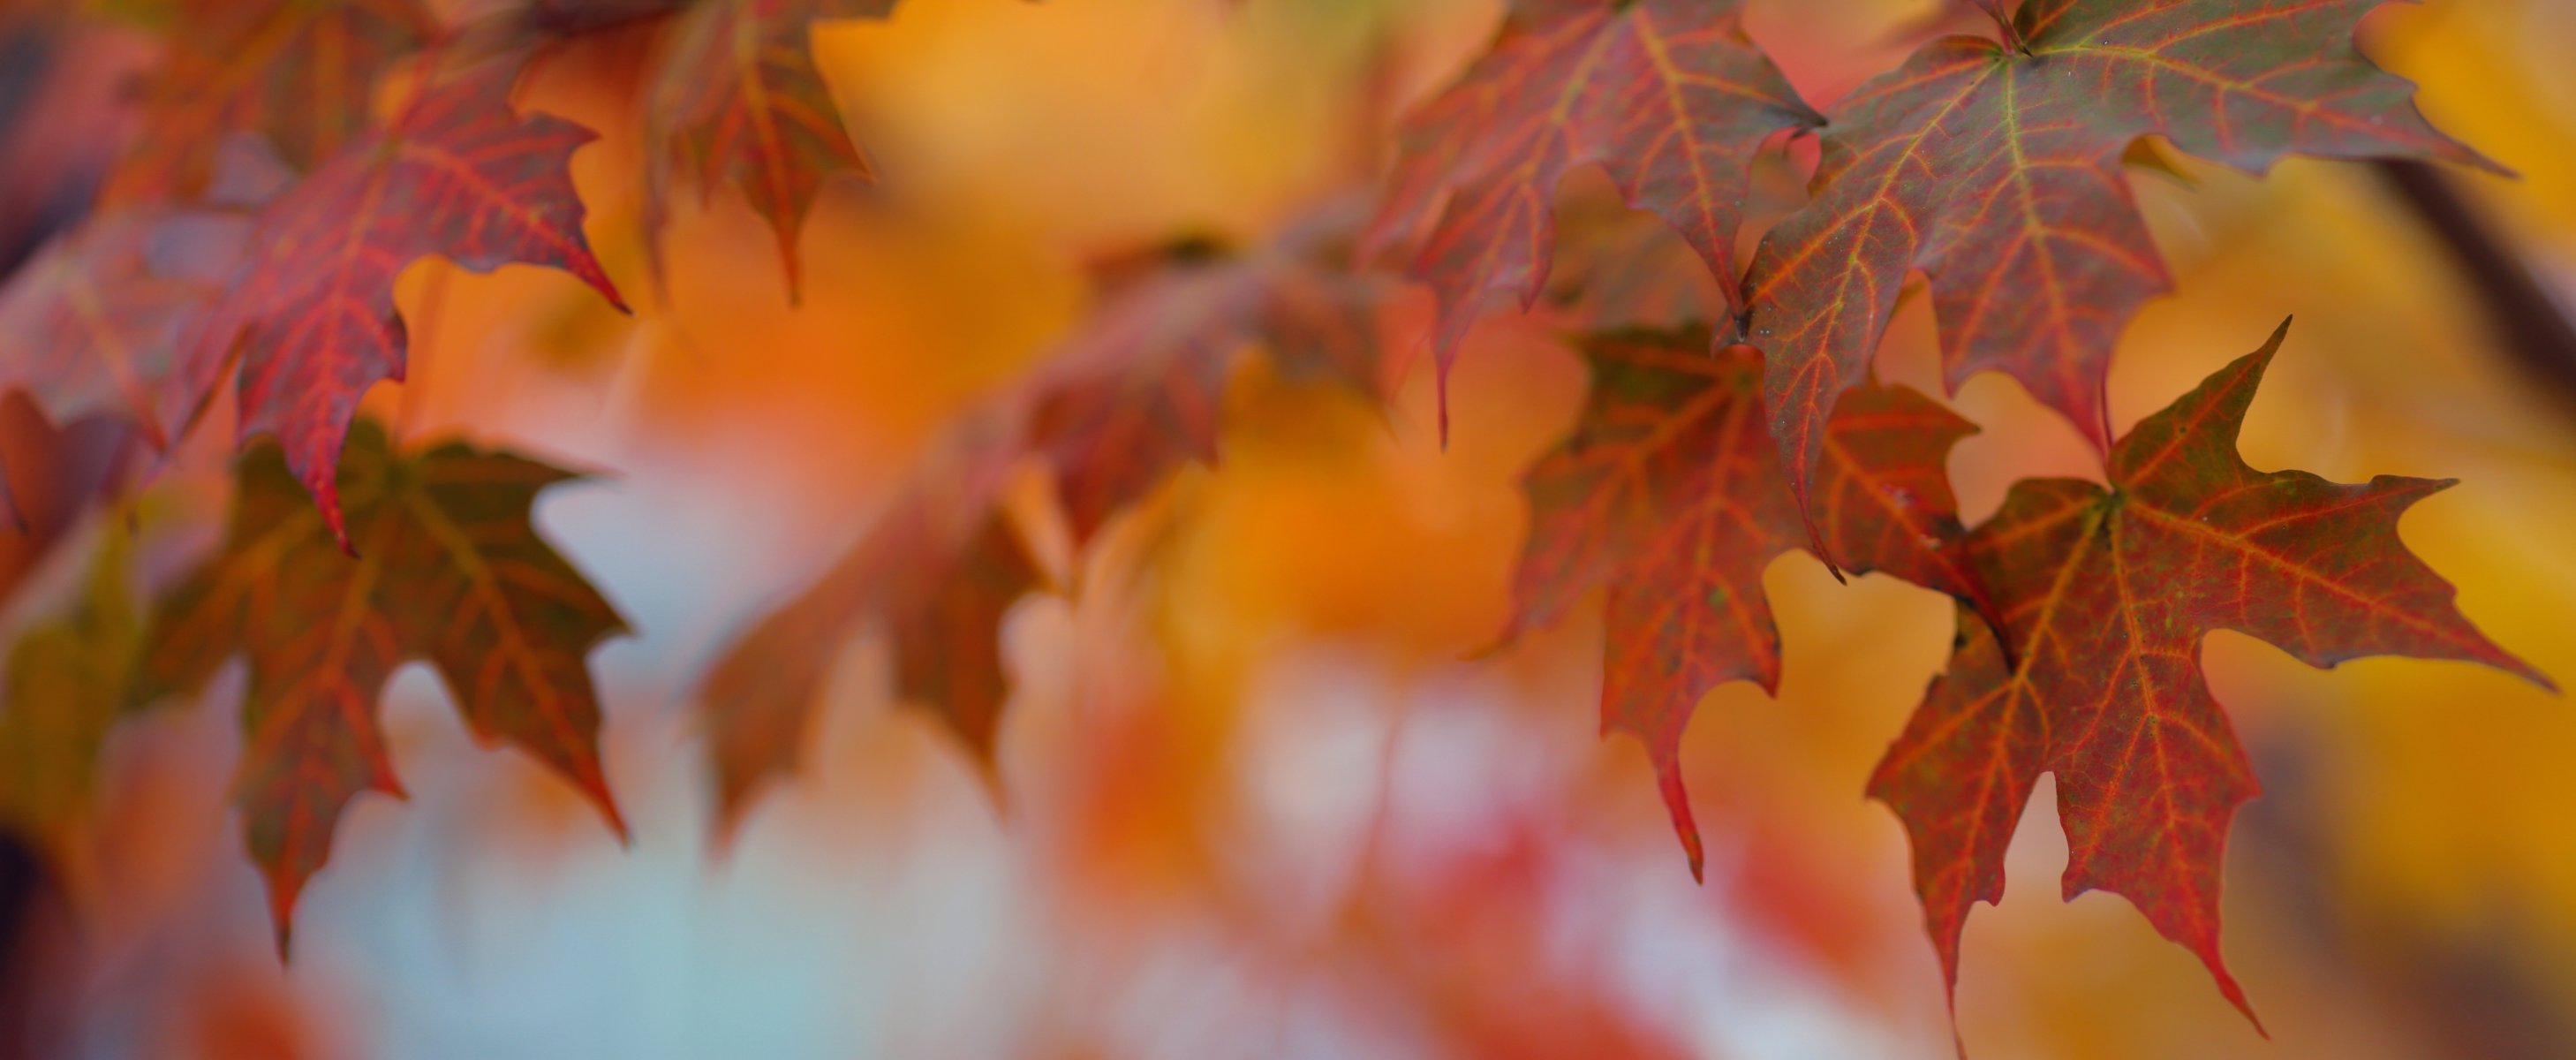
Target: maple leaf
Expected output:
[2105,594]
[1996,169]
[739,99]
[311,308]
[93,323]
[936,573]
[449,569]
[1667,95]
[298,73]
[1669,493]
[66,691]
[1139,391]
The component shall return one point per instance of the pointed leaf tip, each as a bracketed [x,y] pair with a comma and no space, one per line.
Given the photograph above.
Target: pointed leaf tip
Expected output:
[2107,594]
[460,176]
[739,100]
[1997,172]
[1617,83]
[449,570]
[1669,494]
[1668,780]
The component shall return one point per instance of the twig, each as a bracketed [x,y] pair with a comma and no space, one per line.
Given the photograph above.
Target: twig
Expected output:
[2529,321]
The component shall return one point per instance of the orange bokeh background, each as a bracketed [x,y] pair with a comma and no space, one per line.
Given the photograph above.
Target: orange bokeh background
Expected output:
[1260,795]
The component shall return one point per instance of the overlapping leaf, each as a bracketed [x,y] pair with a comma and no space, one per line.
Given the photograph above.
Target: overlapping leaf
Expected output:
[1667,95]
[1996,169]
[739,100]
[449,569]
[935,575]
[300,74]
[311,309]
[1669,494]
[2105,595]
[93,323]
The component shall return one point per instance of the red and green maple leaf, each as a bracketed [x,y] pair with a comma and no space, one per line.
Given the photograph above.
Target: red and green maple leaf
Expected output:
[1996,169]
[1669,493]
[1667,95]
[300,74]
[2104,596]
[936,574]
[739,99]
[449,569]
[311,308]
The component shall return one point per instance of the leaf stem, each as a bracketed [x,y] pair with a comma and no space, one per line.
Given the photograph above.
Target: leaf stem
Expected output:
[2004,24]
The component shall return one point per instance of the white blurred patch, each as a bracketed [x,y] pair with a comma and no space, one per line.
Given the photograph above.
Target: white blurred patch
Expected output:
[1311,763]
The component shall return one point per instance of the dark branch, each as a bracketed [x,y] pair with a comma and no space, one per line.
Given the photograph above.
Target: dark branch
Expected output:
[2529,321]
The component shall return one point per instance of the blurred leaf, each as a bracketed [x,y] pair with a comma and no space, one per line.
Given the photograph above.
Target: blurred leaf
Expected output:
[935,574]
[1139,391]
[1121,406]
[739,100]
[67,689]
[93,323]
[300,74]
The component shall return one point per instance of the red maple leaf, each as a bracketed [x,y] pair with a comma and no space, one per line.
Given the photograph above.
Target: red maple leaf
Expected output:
[297,73]
[739,99]
[311,309]
[1669,493]
[450,569]
[1996,169]
[936,574]
[1667,95]
[2105,594]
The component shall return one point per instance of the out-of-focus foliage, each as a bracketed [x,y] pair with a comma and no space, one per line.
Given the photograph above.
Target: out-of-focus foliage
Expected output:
[1254,803]
[67,688]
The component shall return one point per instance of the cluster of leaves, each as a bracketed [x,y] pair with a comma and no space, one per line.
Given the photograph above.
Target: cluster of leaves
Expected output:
[250,244]
[1995,168]
[256,236]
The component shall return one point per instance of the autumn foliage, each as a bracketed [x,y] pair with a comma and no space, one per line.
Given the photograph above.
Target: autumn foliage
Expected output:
[241,263]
